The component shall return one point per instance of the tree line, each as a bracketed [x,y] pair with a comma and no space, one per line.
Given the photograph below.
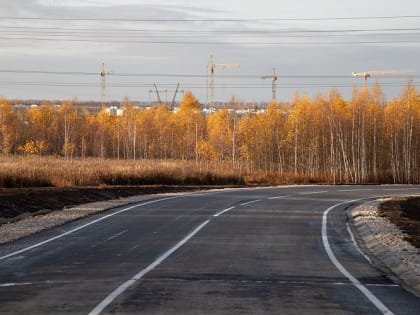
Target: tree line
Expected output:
[326,139]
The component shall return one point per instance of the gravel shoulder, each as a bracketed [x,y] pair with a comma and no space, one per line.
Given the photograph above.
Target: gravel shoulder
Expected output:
[19,203]
[27,211]
[385,236]
[36,223]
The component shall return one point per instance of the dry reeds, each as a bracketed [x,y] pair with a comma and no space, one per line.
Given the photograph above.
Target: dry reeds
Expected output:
[18,171]
[57,172]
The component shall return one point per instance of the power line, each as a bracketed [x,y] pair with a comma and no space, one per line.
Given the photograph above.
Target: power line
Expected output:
[392,17]
[215,31]
[184,75]
[50,72]
[303,34]
[194,86]
[169,42]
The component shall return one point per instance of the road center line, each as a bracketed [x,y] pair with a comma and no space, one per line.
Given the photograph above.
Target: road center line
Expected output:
[22,284]
[116,235]
[279,197]
[49,240]
[349,190]
[111,297]
[375,301]
[13,284]
[314,192]
[249,202]
[223,211]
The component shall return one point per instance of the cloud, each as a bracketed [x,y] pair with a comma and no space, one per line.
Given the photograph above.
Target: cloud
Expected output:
[120,4]
[84,43]
[86,3]
[126,9]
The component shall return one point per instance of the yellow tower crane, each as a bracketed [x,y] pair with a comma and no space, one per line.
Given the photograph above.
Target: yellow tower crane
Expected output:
[367,74]
[213,66]
[103,73]
[273,78]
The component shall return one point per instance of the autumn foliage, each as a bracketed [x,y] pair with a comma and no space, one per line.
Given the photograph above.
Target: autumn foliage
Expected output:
[327,139]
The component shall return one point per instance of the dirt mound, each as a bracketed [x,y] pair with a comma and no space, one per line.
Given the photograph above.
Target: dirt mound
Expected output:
[405,213]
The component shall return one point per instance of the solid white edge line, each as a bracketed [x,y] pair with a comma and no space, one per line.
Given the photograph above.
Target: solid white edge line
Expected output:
[113,295]
[375,301]
[223,211]
[355,244]
[82,227]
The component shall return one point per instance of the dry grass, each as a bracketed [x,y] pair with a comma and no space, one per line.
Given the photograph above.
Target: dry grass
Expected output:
[56,172]
[18,171]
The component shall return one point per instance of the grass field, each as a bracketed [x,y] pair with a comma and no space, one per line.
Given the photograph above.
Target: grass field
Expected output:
[57,172]
[17,171]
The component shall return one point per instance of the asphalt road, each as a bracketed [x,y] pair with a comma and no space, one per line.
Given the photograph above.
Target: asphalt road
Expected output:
[244,251]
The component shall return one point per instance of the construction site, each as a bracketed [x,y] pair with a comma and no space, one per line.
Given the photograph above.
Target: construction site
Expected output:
[170,97]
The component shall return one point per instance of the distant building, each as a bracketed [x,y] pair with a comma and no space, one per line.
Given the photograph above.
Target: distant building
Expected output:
[114,110]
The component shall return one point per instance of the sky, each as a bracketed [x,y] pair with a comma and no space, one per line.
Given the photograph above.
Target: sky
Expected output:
[54,49]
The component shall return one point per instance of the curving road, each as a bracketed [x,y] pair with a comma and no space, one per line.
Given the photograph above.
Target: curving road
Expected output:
[279,250]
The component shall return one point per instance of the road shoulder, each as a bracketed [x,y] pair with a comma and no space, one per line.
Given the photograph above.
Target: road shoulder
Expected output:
[384,241]
[33,224]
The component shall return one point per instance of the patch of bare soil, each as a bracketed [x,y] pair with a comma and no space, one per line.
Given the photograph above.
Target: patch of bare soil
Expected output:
[16,204]
[405,213]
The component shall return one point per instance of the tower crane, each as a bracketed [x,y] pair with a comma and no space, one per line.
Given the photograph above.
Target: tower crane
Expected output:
[213,66]
[367,74]
[103,74]
[273,78]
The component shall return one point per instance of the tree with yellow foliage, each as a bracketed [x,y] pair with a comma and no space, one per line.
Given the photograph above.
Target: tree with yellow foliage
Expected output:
[130,130]
[206,152]
[220,128]
[189,127]
[402,119]
[163,122]
[32,147]
[8,127]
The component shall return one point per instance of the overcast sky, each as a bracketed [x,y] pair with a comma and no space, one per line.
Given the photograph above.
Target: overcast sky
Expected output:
[313,45]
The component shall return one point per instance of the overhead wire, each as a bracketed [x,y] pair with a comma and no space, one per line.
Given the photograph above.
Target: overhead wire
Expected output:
[191,85]
[32,28]
[185,75]
[110,36]
[83,34]
[172,42]
[176,36]
[389,17]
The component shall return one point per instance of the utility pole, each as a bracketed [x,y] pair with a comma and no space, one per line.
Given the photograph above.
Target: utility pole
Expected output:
[157,93]
[173,99]
[273,78]
[103,73]
[211,67]
[166,91]
[367,74]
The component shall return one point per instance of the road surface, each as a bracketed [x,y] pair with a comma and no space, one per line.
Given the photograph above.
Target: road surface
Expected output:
[278,250]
